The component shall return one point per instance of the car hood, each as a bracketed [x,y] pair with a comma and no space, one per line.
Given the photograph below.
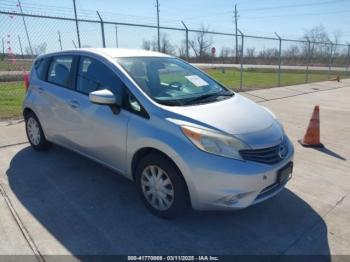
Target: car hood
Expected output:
[236,116]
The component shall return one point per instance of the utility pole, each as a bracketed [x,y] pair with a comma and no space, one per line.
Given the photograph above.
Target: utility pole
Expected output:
[236,29]
[20,46]
[76,23]
[116,36]
[157,5]
[59,39]
[25,27]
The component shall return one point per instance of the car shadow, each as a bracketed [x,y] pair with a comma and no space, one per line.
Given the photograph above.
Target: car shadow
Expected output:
[90,210]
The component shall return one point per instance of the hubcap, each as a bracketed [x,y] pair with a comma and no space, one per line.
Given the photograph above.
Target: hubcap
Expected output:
[157,187]
[33,131]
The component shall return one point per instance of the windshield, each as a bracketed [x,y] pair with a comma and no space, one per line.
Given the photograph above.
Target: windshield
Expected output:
[171,81]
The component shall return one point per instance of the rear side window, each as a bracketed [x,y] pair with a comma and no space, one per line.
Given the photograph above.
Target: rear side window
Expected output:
[94,75]
[60,71]
[40,68]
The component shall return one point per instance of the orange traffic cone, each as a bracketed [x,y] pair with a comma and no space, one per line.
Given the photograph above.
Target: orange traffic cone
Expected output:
[312,136]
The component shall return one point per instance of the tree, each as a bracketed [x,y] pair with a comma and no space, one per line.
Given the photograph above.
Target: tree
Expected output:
[250,52]
[224,54]
[182,49]
[165,45]
[336,38]
[316,34]
[37,49]
[292,51]
[146,44]
[201,43]
[268,53]
[293,55]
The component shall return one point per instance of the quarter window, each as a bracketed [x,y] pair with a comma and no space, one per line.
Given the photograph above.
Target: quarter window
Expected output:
[59,71]
[40,68]
[94,75]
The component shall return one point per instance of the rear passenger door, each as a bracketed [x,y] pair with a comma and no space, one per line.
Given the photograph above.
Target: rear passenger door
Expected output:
[100,134]
[52,103]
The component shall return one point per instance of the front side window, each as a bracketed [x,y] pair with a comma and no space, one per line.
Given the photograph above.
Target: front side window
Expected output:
[171,81]
[59,71]
[94,75]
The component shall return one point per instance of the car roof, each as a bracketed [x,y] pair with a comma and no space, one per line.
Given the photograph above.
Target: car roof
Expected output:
[123,52]
[112,52]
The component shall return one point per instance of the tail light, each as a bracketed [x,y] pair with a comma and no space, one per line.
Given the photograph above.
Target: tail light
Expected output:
[26,80]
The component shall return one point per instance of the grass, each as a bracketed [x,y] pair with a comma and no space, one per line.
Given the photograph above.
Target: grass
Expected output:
[11,98]
[12,93]
[265,78]
[19,65]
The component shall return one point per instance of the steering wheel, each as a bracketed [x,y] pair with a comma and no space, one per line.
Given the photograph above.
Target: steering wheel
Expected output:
[175,85]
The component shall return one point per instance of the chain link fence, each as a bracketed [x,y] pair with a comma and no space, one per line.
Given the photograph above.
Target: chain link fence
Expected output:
[241,62]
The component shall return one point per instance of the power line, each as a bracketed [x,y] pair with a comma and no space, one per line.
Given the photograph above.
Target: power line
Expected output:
[267,8]
[297,15]
[87,14]
[292,6]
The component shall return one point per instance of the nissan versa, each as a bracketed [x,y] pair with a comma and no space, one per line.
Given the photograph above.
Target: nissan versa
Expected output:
[185,139]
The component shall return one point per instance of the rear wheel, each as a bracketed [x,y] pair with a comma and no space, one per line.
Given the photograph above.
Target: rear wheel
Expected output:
[161,186]
[35,133]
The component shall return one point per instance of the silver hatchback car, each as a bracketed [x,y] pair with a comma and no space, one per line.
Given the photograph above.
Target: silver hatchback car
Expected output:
[185,139]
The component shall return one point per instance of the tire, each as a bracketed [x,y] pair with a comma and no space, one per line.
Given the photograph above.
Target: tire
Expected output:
[175,204]
[35,133]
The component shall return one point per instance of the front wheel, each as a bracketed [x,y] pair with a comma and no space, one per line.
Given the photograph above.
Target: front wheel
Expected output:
[161,186]
[35,132]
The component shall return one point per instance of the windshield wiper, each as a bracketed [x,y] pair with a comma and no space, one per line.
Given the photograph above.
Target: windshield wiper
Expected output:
[170,102]
[210,96]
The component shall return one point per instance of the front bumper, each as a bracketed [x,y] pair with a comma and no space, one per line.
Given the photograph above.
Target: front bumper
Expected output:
[219,183]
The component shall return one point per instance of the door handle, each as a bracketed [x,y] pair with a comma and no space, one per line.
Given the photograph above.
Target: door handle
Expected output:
[73,103]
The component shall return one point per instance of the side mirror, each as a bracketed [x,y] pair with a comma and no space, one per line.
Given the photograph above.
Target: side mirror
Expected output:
[105,97]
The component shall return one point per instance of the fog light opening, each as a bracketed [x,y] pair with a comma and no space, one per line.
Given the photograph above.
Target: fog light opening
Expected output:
[234,199]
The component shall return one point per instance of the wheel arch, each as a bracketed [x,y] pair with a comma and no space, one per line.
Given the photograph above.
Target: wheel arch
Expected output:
[142,152]
[27,110]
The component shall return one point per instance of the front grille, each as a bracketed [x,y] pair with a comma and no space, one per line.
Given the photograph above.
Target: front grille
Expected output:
[270,155]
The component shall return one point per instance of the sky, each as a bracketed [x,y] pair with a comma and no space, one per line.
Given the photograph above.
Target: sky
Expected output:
[290,19]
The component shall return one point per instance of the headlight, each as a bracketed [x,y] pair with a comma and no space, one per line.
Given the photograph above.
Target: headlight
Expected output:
[215,142]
